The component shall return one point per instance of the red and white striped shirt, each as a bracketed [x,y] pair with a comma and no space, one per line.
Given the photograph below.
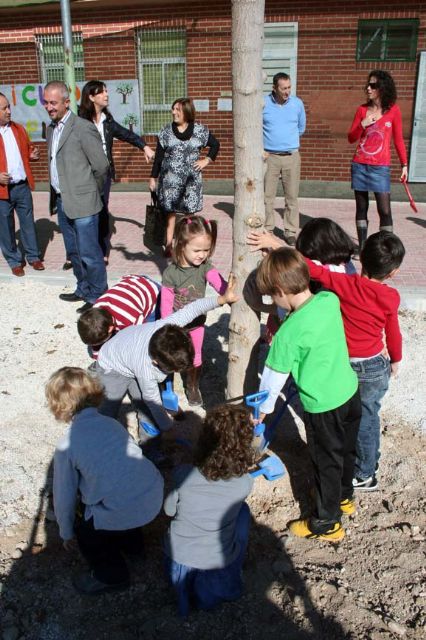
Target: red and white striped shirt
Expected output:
[130,301]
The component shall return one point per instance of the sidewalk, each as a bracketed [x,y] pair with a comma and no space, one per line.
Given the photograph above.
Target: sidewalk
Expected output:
[129,255]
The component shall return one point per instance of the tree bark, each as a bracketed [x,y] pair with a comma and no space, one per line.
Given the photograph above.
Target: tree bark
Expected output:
[249,213]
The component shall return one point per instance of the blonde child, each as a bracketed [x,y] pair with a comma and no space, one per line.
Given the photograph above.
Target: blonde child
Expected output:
[207,539]
[98,465]
[185,280]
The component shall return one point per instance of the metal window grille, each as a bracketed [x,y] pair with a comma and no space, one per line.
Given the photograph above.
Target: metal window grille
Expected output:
[50,49]
[393,40]
[279,52]
[162,74]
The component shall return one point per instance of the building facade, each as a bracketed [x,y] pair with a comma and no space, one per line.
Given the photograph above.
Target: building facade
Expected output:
[184,48]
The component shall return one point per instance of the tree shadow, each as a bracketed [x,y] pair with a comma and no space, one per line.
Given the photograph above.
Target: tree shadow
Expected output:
[226,207]
[142,256]
[114,218]
[419,221]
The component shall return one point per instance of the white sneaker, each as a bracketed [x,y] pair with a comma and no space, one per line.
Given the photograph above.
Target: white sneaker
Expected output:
[367,484]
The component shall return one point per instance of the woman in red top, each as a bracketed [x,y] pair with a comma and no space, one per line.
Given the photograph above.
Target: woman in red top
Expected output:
[374,125]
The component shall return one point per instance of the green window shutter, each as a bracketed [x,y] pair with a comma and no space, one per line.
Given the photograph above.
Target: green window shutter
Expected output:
[382,40]
[162,74]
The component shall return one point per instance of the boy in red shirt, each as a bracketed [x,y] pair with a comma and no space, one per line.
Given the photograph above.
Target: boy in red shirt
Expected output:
[370,317]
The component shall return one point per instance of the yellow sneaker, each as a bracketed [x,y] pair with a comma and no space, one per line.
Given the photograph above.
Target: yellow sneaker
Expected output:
[348,506]
[300,528]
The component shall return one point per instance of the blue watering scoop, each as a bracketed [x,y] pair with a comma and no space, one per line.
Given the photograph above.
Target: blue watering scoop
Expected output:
[169,397]
[271,467]
[254,400]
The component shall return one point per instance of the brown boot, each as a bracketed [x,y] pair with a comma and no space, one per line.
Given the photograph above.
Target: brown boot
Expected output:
[192,389]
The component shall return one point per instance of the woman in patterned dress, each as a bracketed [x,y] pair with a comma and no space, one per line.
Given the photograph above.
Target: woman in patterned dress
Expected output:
[178,166]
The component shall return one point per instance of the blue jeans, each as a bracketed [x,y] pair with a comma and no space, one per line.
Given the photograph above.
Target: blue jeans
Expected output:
[206,588]
[373,376]
[21,201]
[81,240]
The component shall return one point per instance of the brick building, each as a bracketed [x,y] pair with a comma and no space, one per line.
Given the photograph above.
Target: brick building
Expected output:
[174,48]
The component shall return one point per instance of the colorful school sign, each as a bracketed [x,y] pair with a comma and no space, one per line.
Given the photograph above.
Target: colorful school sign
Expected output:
[26,102]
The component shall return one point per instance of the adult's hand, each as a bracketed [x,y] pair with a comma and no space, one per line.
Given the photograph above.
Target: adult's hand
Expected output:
[263,241]
[368,120]
[148,153]
[34,153]
[4,178]
[404,174]
[201,164]
[152,184]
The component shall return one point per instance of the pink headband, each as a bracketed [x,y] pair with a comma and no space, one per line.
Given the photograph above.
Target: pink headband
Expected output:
[189,221]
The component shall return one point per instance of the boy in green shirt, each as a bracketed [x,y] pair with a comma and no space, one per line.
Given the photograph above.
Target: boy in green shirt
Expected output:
[311,346]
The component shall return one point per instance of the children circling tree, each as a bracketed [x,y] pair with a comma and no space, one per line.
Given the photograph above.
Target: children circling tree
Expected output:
[185,281]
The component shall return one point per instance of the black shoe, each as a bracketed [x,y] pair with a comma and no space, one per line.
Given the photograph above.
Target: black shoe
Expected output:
[87,583]
[290,239]
[70,297]
[66,266]
[85,307]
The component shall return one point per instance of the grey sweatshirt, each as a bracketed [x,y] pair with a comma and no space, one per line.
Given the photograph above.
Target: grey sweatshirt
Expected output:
[202,532]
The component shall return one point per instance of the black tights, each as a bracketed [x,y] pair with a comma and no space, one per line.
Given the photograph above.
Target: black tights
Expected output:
[383,207]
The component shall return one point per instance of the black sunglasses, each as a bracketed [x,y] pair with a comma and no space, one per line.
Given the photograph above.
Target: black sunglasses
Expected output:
[372,85]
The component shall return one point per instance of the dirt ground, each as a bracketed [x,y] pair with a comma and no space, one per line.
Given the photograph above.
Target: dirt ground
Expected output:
[371,586]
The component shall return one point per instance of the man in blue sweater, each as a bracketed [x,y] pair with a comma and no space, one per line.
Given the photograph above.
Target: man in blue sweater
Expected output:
[284,121]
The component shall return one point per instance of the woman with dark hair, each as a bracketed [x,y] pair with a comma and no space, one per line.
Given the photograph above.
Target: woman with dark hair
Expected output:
[178,166]
[94,107]
[376,123]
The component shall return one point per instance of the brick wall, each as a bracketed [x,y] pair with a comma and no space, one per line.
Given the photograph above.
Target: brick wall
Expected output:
[330,80]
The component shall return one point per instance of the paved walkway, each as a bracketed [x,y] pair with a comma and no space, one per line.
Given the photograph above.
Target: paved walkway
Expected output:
[130,256]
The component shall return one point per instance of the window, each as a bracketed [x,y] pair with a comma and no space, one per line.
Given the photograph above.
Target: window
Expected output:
[162,74]
[387,40]
[279,52]
[50,50]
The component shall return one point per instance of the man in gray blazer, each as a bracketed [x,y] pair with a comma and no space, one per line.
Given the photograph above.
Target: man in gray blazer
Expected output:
[78,167]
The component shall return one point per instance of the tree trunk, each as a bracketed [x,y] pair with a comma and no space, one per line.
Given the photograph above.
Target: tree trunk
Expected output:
[249,214]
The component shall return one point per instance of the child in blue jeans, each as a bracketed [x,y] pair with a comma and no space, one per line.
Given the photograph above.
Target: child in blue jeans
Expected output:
[207,539]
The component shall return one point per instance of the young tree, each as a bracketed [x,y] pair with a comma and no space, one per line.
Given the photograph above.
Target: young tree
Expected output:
[247,103]
[125,88]
[130,120]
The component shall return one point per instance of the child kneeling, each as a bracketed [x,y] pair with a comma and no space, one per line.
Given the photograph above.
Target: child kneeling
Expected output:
[97,463]
[207,540]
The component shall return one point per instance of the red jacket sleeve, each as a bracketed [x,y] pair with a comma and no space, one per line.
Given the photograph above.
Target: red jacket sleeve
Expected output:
[355,132]
[398,139]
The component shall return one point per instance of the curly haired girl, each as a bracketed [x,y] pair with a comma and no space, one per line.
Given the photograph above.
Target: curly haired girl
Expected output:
[207,539]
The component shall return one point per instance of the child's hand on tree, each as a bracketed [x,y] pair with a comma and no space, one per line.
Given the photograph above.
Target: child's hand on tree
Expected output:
[230,295]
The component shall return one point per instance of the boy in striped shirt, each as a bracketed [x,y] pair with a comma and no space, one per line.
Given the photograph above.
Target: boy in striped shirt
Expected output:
[132,301]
